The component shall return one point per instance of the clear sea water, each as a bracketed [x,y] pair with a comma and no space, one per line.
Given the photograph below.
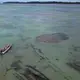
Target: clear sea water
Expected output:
[20,24]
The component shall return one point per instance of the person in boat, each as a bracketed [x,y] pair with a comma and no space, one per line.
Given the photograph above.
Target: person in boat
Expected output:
[1,50]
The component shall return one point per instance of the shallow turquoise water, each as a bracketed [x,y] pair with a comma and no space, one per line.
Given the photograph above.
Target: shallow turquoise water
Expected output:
[20,24]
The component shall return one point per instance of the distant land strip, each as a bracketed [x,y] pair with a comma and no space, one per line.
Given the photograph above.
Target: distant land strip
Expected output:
[39,2]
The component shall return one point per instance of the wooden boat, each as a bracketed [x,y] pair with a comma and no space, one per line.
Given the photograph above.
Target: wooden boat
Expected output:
[5,49]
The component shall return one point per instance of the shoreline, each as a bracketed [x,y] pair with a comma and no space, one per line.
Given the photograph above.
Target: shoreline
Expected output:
[37,2]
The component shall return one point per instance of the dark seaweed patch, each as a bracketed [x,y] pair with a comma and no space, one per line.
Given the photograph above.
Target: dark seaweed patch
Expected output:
[52,38]
[74,65]
[33,74]
[16,65]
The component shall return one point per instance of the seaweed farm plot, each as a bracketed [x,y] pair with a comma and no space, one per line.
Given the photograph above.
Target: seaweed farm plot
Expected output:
[32,65]
[74,59]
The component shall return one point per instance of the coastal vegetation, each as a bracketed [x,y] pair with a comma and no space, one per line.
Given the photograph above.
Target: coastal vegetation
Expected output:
[39,2]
